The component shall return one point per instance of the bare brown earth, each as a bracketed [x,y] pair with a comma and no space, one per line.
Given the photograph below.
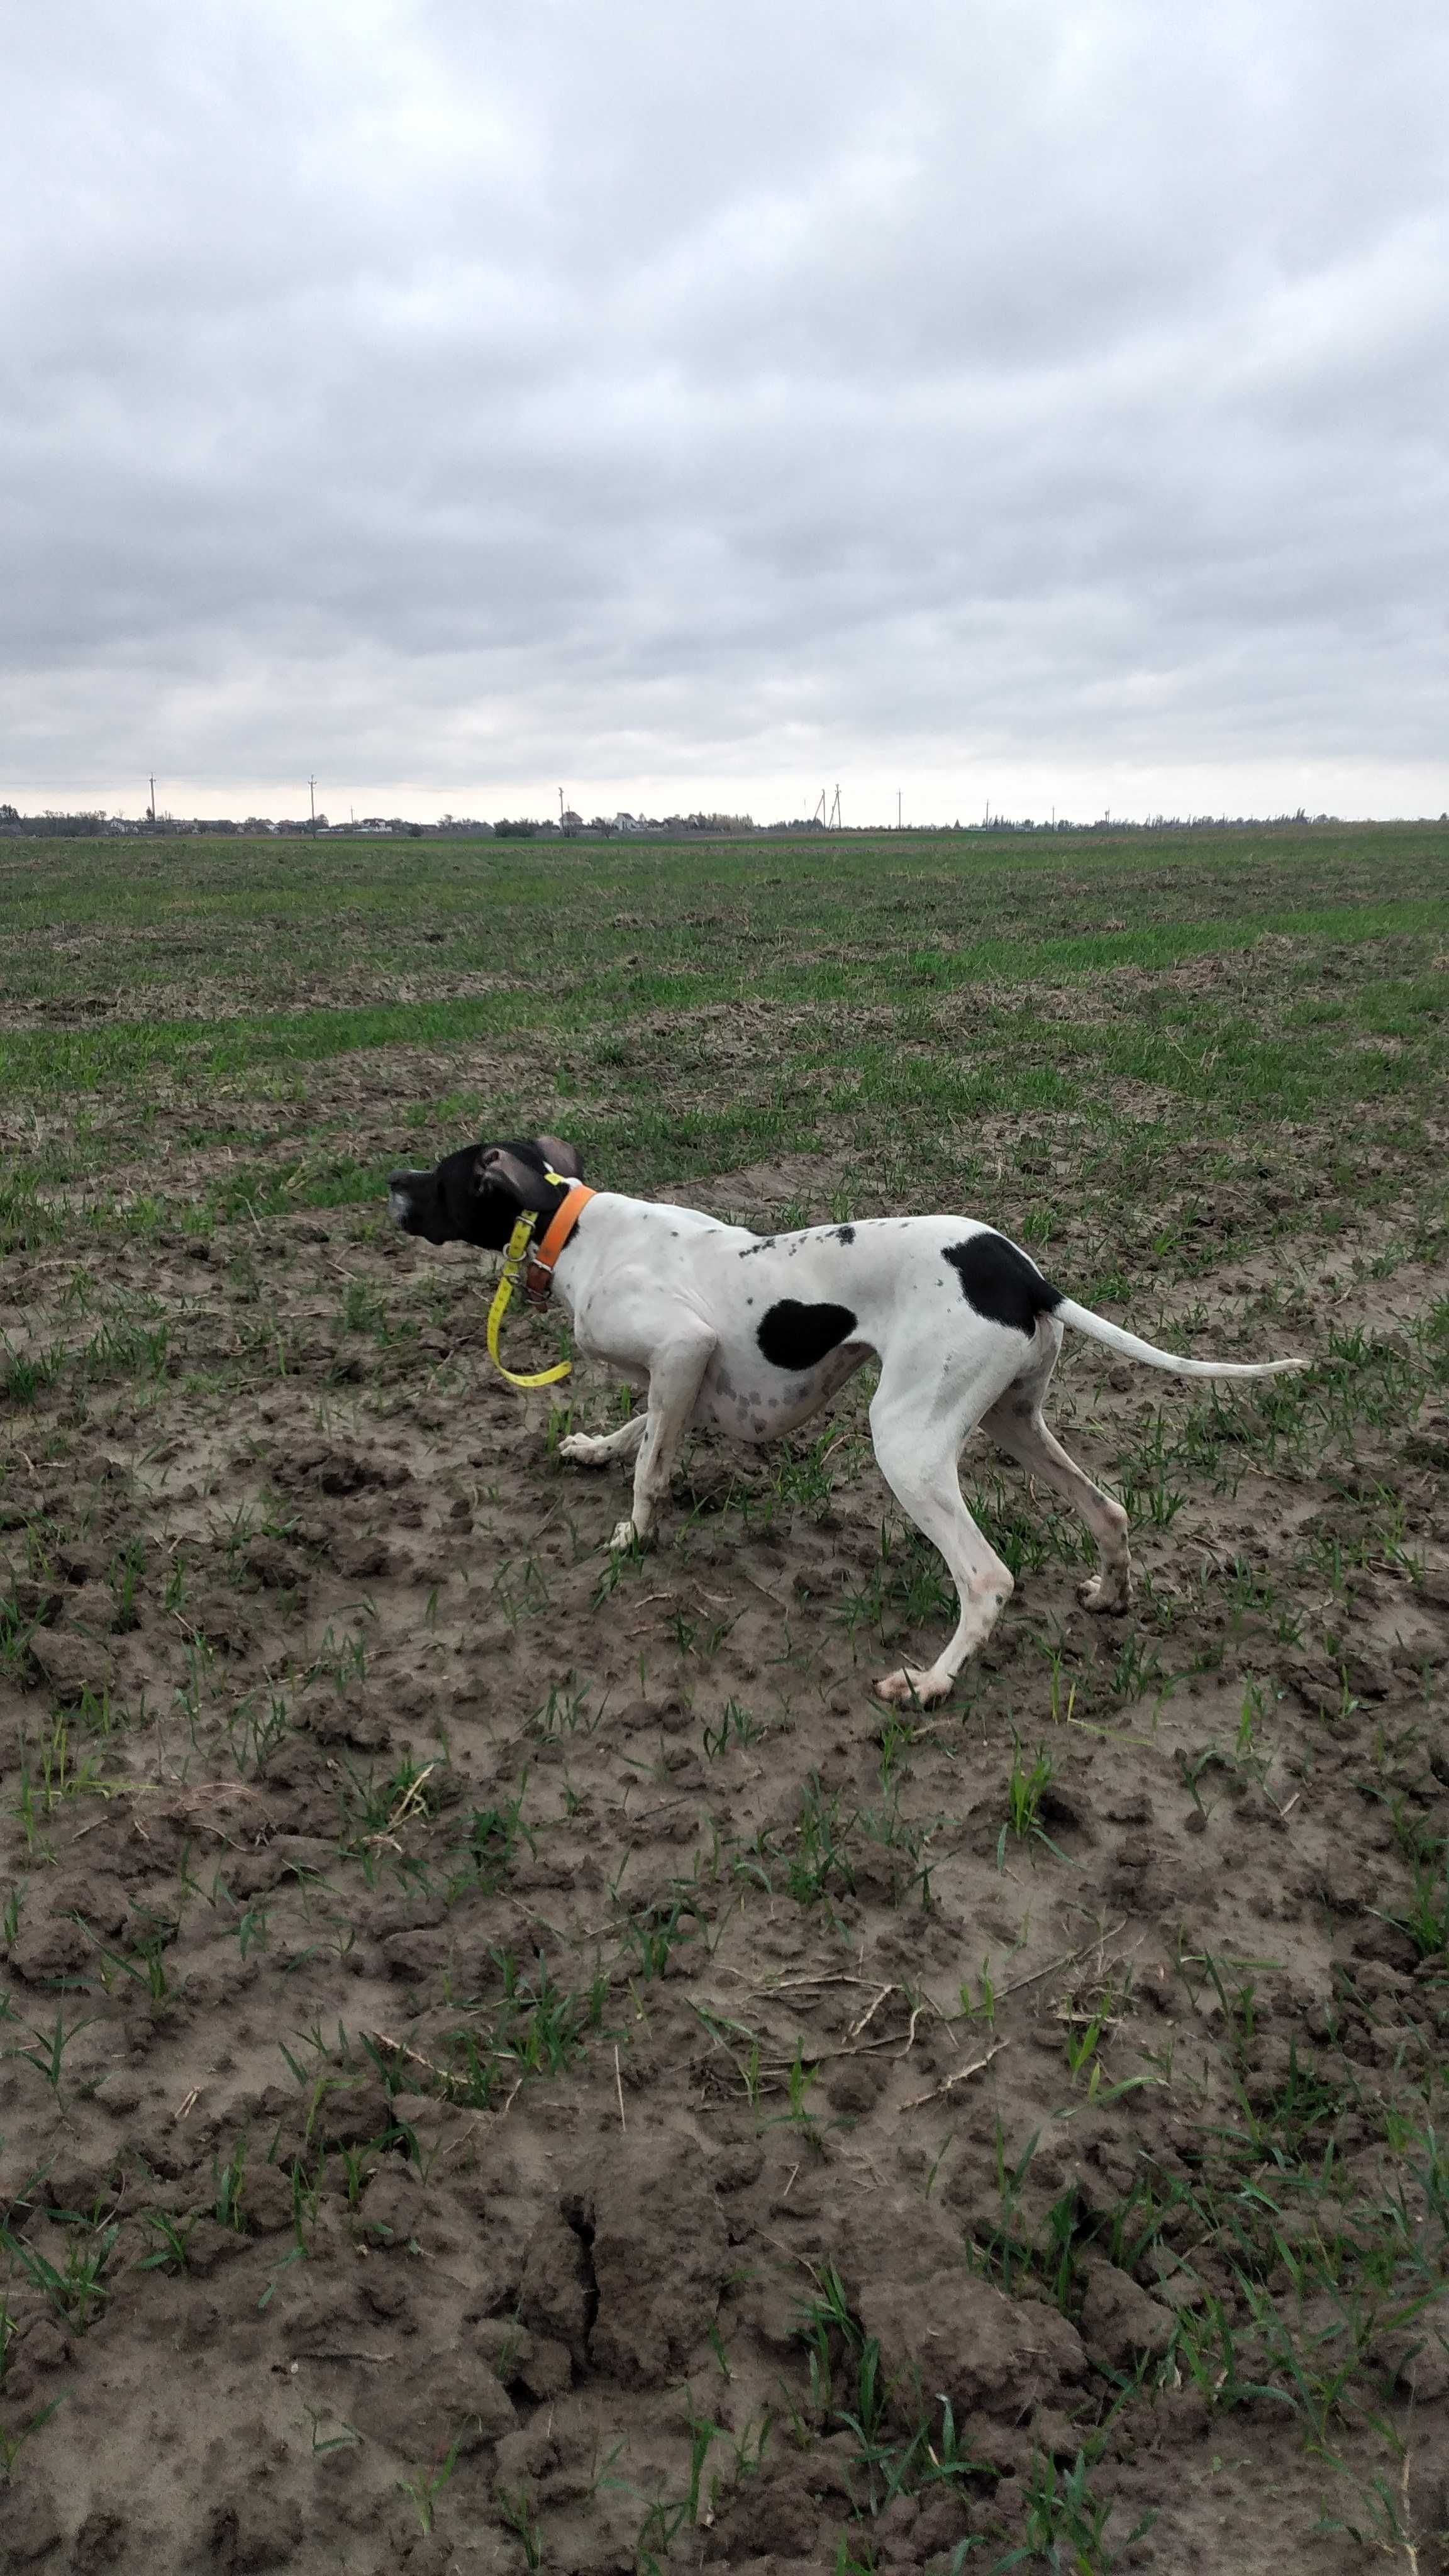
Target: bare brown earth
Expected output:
[513,2060]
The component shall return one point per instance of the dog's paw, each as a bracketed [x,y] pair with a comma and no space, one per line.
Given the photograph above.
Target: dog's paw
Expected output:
[908,1689]
[582,1450]
[1105,1593]
[624,1536]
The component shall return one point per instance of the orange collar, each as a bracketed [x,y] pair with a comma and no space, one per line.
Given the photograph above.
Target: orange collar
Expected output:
[538,1278]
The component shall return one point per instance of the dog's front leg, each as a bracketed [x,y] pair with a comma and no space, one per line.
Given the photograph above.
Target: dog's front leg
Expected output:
[582,1450]
[675,1374]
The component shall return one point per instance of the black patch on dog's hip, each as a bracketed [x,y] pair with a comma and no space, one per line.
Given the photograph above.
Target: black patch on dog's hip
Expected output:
[798,1337]
[1001,1283]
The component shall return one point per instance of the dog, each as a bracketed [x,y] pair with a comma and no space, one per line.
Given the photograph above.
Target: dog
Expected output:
[752,1334]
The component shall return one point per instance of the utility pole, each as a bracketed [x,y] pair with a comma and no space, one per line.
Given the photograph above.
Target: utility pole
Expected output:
[898,809]
[312,793]
[560,804]
[151,809]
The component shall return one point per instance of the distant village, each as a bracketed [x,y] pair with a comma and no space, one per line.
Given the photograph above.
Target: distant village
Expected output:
[569,826]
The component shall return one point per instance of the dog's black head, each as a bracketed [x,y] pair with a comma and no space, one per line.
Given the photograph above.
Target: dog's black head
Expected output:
[478,1195]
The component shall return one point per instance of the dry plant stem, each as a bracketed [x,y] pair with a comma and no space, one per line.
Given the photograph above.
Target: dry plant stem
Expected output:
[1068,1959]
[868,2016]
[962,2075]
[398,2048]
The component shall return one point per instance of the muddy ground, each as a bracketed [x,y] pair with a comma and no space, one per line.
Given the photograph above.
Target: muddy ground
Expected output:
[511,2059]
[514,2060]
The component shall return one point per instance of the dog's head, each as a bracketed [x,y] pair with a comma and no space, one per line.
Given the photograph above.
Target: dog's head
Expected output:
[478,1195]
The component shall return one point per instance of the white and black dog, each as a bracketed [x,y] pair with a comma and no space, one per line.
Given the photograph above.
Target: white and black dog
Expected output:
[752,1334]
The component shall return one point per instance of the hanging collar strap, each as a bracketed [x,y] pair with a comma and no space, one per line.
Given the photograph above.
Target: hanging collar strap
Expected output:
[538,1277]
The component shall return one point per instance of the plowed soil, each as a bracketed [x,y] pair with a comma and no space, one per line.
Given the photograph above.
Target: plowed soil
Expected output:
[514,2059]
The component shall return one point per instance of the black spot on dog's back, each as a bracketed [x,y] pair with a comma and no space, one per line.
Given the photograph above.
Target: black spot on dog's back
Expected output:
[793,1336]
[999,1282]
[845,1234]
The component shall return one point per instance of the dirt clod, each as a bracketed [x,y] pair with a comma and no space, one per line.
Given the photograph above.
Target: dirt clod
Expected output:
[660,2257]
[1119,2321]
[558,2298]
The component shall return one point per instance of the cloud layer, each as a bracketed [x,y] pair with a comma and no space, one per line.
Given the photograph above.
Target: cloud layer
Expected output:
[1041,400]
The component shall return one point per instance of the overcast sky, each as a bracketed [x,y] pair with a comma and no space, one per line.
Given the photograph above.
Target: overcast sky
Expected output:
[1034,401]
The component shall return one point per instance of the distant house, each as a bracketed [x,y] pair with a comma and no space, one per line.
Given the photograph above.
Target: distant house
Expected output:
[570,821]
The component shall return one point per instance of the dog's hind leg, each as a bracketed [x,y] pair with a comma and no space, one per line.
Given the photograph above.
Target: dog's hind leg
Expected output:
[1015,1424]
[582,1450]
[917,1443]
[676,1371]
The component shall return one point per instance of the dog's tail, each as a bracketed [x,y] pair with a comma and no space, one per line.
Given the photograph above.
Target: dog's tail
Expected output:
[1099,1330]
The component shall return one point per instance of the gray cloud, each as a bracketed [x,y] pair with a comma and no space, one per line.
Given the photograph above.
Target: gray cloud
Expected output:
[456,399]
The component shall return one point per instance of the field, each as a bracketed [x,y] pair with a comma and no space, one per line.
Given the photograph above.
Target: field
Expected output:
[512,2058]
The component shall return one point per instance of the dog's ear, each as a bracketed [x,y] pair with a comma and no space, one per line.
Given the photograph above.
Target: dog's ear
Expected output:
[500,1168]
[561,1157]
